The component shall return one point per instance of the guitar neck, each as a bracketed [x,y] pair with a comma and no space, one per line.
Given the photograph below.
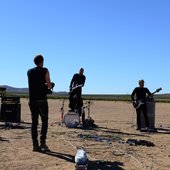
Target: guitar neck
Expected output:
[156,91]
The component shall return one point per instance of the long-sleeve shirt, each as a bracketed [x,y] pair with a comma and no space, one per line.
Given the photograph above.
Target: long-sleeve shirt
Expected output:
[140,93]
[77,80]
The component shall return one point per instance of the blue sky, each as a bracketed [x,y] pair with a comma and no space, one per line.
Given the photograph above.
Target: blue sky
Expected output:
[117,42]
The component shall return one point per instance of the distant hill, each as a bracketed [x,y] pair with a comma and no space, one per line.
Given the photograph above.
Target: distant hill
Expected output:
[10,89]
[112,97]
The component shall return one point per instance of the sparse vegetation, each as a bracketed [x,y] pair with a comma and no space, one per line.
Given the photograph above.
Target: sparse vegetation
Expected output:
[164,98]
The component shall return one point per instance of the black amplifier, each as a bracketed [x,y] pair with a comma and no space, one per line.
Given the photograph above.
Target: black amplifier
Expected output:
[10,100]
[10,113]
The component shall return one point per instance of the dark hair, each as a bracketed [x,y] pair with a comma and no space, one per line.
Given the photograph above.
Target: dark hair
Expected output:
[141,81]
[38,59]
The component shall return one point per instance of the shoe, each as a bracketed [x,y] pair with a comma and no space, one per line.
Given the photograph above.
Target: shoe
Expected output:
[144,129]
[138,128]
[152,130]
[44,147]
[36,148]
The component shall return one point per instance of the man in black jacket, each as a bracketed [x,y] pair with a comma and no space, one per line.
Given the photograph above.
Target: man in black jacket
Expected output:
[139,103]
[39,84]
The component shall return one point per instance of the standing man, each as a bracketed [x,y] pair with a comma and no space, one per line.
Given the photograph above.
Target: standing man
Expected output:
[39,85]
[139,103]
[76,85]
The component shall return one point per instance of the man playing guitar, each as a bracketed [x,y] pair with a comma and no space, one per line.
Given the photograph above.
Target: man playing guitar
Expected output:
[139,102]
[76,85]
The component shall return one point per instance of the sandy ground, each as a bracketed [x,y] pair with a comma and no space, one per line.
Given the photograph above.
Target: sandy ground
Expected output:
[106,145]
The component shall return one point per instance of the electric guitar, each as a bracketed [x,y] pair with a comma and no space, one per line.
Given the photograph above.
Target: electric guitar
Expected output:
[137,104]
[76,87]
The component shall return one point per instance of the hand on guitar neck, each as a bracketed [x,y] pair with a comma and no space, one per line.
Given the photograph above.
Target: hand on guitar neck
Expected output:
[156,91]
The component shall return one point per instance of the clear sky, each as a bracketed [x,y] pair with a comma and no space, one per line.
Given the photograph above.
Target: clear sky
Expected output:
[117,42]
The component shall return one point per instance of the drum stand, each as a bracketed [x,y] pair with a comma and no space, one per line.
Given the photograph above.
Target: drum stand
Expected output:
[62,113]
[88,109]
[81,167]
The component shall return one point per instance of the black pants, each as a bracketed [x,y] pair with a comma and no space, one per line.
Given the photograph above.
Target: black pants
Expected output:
[75,100]
[39,108]
[142,109]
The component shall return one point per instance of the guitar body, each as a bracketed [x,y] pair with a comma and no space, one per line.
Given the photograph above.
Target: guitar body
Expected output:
[137,104]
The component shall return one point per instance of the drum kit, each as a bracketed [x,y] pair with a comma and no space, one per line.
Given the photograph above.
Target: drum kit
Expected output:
[72,119]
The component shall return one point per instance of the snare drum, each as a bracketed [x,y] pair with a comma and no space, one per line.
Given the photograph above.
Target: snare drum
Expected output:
[71,119]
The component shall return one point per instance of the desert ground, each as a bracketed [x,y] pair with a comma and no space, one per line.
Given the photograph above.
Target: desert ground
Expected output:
[106,145]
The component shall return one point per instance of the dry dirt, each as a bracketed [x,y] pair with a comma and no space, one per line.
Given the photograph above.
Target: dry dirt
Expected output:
[106,145]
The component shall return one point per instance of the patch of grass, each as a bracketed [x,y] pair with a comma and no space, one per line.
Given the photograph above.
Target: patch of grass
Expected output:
[164,98]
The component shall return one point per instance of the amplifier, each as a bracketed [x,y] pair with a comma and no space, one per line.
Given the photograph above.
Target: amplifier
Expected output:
[10,100]
[2,91]
[10,113]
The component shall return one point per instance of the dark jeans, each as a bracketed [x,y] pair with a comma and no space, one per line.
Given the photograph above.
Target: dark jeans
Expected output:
[75,100]
[142,109]
[39,108]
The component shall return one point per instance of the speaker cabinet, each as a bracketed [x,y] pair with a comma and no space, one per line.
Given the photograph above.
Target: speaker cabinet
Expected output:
[10,100]
[10,113]
[151,115]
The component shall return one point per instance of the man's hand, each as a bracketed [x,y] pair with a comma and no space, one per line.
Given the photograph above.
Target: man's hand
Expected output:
[134,103]
[52,85]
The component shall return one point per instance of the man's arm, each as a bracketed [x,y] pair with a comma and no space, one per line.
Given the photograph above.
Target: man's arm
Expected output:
[72,81]
[148,92]
[133,94]
[84,80]
[48,81]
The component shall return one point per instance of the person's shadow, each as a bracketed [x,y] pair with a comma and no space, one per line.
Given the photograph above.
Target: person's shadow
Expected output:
[105,165]
[3,139]
[67,157]
[163,130]
[93,165]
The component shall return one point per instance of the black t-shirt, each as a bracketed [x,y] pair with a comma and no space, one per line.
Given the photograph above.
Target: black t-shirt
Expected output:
[140,93]
[77,80]
[36,83]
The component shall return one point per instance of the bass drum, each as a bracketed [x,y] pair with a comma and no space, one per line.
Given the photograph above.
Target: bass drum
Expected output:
[71,119]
